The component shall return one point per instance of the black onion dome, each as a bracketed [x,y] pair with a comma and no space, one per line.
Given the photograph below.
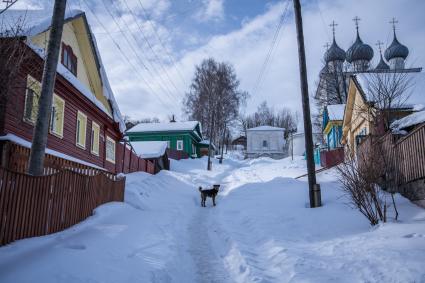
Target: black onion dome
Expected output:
[359,51]
[382,65]
[396,50]
[334,53]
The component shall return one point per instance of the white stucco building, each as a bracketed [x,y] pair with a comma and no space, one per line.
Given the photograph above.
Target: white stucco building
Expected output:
[266,141]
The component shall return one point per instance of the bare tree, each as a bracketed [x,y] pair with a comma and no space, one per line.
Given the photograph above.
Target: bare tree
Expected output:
[388,91]
[13,54]
[367,180]
[214,98]
[267,116]
[130,123]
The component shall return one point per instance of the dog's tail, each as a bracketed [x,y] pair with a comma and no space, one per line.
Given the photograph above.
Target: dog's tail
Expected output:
[200,189]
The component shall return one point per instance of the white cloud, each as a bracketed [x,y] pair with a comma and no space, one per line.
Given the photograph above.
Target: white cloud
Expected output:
[246,48]
[211,10]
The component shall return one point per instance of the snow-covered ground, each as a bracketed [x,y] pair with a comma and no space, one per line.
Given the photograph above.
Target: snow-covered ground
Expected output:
[260,231]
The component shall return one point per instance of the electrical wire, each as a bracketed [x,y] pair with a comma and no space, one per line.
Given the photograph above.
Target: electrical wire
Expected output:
[127,59]
[271,48]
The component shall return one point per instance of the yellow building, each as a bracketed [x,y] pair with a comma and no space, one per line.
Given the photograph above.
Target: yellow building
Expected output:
[358,116]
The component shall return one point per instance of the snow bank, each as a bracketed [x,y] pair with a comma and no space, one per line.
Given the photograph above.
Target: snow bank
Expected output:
[261,230]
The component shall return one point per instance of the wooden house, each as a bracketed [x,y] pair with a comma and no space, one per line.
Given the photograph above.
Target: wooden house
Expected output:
[239,143]
[333,116]
[86,124]
[333,152]
[183,138]
[362,115]
[203,148]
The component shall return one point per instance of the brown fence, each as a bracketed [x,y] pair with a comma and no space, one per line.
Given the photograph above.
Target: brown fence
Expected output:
[35,206]
[15,158]
[406,155]
[131,162]
[330,158]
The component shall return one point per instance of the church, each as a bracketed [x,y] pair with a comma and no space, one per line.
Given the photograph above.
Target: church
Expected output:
[334,81]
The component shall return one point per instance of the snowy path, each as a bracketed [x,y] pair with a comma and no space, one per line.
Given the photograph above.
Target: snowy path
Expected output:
[260,231]
[209,266]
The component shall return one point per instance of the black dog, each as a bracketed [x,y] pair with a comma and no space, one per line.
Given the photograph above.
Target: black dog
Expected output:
[212,193]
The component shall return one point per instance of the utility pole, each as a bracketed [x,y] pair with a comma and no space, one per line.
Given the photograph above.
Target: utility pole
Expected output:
[314,189]
[222,143]
[41,128]
[209,165]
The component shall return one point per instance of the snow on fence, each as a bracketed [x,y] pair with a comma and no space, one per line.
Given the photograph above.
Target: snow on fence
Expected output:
[129,162]
[15,157]
[40,205]
[406,155]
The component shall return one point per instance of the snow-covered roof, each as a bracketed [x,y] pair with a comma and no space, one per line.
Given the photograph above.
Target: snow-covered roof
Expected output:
[266,128]
[27,144]
[336,112]
[207,142]
[410,120]
[149,149]
[164,127]
[34,22]
[415,81]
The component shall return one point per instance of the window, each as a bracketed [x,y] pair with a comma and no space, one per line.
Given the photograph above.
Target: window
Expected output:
[69,60]
[179,145]
[31,100]
[95,133]
[57,116]
[81,129]
[110,149]
[168,144]
[264,143]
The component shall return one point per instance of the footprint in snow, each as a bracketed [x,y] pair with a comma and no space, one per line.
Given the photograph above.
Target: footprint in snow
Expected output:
[78,247]
[413,235]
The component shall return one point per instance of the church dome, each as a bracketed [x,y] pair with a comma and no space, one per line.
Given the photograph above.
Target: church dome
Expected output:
[359,51]
[382,65]
[334,53]
[396,50]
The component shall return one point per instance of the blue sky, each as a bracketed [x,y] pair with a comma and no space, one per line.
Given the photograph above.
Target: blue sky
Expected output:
[170,38]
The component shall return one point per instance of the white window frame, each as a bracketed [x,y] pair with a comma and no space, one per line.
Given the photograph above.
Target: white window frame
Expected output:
[83,146]
[52,131]
[106,149]
[95,125]
[169,144]
[179,145]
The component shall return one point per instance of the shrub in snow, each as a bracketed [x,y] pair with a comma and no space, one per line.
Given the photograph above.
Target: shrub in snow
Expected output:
[363,177]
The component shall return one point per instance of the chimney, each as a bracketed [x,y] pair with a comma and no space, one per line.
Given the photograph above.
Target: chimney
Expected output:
[173,120]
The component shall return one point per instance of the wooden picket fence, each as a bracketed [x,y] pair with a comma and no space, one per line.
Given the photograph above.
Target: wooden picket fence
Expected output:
[40,205]
[406,155]
[16,158]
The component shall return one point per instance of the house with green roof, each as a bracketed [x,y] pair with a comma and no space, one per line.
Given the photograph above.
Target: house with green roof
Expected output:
[184,139]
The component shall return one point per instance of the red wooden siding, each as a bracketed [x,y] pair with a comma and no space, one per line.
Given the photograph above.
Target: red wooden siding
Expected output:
[74,101]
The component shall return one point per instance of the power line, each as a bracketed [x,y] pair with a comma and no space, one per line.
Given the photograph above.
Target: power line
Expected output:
[170,56]
[271,48]
[151,48]
[163,87]
[126,58]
